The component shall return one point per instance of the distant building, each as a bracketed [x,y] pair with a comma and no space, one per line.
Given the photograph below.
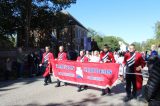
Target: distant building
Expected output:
[74,34]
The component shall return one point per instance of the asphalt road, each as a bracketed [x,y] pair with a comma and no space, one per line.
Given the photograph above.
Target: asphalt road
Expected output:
[32,92]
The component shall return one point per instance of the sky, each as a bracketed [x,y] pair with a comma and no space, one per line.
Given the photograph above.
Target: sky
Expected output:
[132,20]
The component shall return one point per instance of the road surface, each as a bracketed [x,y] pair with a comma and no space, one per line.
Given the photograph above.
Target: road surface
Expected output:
[32,92]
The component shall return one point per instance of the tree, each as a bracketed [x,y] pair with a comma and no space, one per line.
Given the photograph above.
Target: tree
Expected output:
[138,46]
[112,41]
[16,15]
[157,30]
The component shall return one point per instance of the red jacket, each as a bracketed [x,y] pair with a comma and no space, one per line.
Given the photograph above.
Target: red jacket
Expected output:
[110,58]
[62,56]
[139,61]
[50,57]
[82,59]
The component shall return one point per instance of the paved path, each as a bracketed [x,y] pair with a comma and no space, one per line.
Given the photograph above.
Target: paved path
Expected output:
[31,92]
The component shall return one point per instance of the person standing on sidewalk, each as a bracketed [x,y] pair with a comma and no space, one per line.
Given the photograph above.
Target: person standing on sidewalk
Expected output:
[152,88]
[20,62]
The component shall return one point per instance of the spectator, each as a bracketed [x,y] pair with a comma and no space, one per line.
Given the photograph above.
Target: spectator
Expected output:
[71,54]
[94,45]
[31,64]
[36,63]
[8,68]
[121,68]
[152,89]
[20,62]
[153,51]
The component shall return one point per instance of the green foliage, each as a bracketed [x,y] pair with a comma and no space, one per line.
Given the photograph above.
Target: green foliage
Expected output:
[138,46]
[157,30]
[5,42]
[112,41]
[24,15]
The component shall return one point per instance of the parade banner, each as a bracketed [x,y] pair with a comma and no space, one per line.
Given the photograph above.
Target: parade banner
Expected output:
[101,75]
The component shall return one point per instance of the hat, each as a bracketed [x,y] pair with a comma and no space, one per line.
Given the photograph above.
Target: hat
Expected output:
[106,46]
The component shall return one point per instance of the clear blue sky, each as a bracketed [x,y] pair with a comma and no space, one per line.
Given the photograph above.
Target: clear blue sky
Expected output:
[132,20]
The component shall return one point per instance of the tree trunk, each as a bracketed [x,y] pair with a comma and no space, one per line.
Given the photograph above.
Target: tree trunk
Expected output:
[27,22]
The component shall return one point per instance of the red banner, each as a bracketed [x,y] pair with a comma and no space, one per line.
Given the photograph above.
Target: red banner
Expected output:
[101,75]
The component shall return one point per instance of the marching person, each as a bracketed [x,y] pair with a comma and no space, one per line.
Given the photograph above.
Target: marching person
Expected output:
[47,56]
[61,56]
[82,58]
[134,63]
[95,57]
[106,57]
[88,55]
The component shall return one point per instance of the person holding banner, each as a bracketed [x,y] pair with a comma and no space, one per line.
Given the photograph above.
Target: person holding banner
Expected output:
[47,56]
[61,56]
[106,57]
[95,57]
[134,62]
[82,58]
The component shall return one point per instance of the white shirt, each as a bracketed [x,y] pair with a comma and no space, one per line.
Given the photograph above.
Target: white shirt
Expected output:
[94,59]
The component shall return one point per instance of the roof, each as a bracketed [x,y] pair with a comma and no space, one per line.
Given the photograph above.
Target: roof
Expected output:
[67,13]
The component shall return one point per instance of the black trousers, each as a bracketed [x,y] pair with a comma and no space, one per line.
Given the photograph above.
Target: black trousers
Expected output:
[104,90]
[131,81]
[47,79]
[154,103]
[58,82]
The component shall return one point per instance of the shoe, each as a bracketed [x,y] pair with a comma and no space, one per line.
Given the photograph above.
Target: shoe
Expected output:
[79,90]
[103,93]
[127,98]
[57,86]
[135,97]
[85,87]
[65,84]
[50,82]
[45,84]
[109,91]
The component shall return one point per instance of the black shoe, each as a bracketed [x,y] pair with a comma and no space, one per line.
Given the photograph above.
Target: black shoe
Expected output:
[65,84]
[109,91]
[50,82]
[79,90]
[134,97]
[127,98]
[103,93]
[85,87]
[57,86]
[45,84]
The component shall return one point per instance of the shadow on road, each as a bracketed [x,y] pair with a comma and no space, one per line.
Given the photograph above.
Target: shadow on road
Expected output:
[90,100]
[25,81]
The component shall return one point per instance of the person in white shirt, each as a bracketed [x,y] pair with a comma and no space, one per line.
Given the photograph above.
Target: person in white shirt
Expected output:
[120,60]
[95,57]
